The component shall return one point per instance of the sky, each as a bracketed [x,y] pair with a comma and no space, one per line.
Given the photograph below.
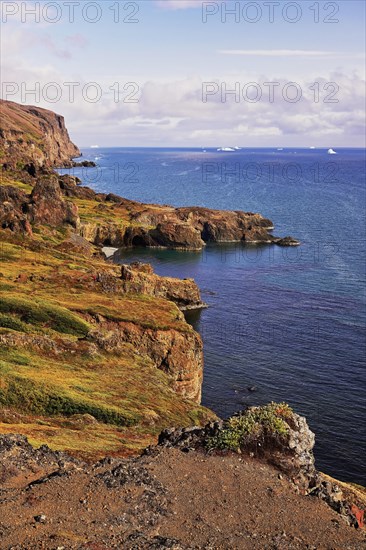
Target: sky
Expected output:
[183,73]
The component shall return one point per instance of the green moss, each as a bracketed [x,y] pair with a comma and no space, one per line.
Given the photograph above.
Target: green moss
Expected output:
[42,313]
[239,430]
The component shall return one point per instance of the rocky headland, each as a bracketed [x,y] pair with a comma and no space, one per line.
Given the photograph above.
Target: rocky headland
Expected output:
[98,360]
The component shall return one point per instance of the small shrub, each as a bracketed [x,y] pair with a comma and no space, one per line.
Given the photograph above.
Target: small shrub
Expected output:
[252,425]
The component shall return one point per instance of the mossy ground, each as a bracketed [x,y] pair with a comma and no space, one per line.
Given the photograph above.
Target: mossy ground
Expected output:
[47,292]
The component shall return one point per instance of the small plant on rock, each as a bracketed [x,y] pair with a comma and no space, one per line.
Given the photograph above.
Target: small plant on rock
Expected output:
[253,425]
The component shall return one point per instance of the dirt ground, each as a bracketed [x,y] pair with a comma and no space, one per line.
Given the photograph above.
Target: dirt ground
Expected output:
[169,499]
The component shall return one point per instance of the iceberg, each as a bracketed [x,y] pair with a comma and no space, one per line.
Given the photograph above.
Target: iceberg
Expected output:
[332,152]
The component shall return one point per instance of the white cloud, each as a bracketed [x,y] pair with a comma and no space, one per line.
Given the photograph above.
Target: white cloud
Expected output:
[172,112]
[289,53]
[178,4]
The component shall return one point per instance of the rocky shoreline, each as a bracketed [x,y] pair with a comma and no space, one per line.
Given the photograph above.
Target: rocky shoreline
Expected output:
[97,359]
[34,141]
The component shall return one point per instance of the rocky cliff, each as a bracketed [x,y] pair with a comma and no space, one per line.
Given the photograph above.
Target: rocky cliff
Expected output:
[124,315]
[33,138]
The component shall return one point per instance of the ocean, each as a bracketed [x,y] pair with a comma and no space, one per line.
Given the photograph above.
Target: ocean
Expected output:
[283,324]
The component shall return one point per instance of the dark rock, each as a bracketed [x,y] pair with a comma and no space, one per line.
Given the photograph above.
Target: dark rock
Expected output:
[47,205]
[84,164]
[286,241]
[40,518]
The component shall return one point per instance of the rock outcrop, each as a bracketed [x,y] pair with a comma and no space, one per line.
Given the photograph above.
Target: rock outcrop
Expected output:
[11,213]
[182,228]
[178,354]
[45,205]
[48,206]
[272,432]
[140,278]
[32,138]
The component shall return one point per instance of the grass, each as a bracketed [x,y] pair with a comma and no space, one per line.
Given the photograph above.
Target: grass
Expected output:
[47,292]
[253,424]
[12,322]
[41,313]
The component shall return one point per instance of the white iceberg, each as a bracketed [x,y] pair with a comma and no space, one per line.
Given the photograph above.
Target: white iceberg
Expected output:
[332,152]
[226,149]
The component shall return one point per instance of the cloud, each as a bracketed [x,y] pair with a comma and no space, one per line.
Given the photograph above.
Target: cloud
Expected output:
[77,40]
[172,112]
[288,53]
[178,4]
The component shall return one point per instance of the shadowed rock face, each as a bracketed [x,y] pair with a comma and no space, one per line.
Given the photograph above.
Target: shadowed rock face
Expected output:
[33,138]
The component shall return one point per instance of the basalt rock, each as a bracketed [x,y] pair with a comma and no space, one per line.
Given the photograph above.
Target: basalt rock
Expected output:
[188,228]
[12,205]
[140,278]
[286,241]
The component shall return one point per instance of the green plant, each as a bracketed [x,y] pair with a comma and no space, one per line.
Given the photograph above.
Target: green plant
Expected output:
[256,422]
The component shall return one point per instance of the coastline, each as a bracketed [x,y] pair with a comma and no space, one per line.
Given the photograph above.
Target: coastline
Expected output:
[98,358]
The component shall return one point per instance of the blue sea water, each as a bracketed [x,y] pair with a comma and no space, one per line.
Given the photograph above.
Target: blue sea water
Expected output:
[288,321]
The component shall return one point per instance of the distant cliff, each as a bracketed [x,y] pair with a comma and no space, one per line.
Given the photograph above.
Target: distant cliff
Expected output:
[33,137]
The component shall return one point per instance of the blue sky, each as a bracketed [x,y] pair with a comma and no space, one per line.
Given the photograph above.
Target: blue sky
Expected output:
[169,55]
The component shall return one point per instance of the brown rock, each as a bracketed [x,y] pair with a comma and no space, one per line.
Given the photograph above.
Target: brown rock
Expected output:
[140,278]
[47,205]
[34,137]
[12,205]
[179,354]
